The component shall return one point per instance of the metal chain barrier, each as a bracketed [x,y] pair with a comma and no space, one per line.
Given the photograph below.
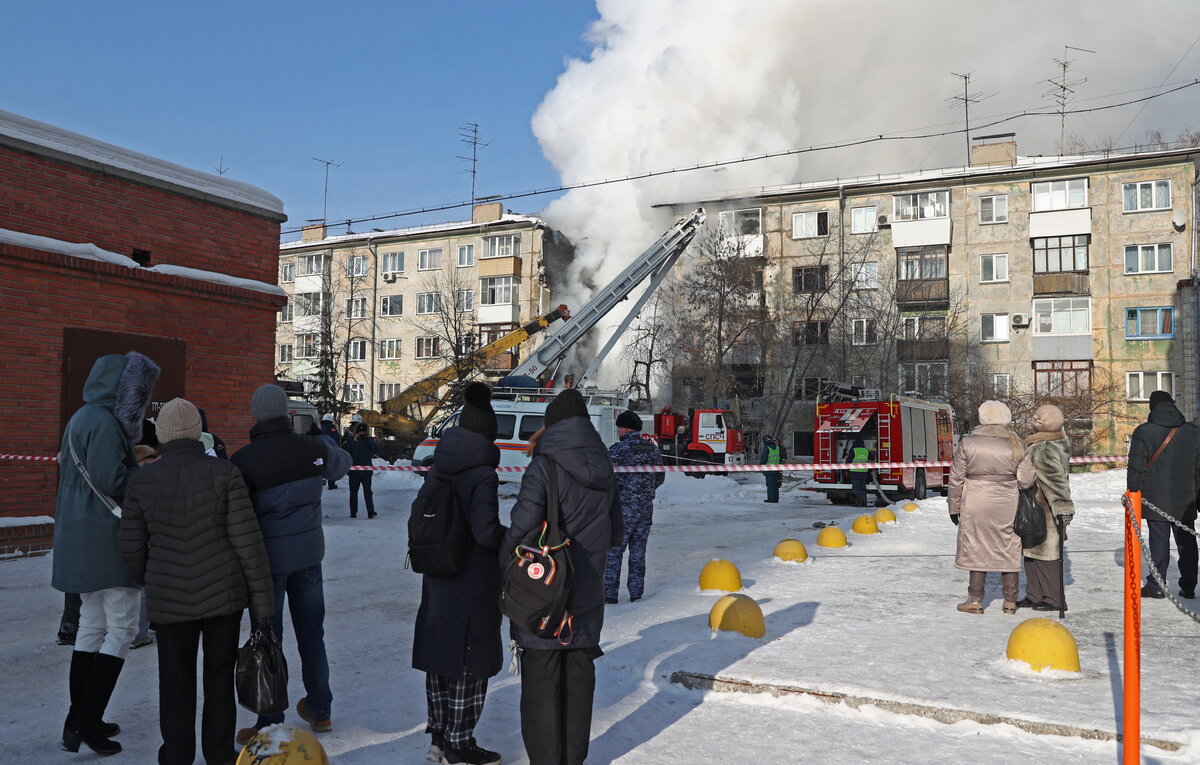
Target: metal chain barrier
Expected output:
[1149,563]
[1166,517]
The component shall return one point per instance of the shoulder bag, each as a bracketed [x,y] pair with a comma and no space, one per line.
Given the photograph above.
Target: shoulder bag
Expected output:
[106,500]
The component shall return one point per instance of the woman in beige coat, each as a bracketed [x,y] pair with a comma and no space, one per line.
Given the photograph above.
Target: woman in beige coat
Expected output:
[989,466]
[1050,452]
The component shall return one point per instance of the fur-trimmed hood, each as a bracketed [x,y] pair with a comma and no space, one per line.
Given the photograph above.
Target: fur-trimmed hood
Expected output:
[134,390]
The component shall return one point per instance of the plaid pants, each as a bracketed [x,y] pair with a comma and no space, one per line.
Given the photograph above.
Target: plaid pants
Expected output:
[455,705]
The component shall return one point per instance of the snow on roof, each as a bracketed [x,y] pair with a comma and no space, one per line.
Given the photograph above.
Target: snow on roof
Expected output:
[433,228]
[29,134]
[89,251]
[1023,164]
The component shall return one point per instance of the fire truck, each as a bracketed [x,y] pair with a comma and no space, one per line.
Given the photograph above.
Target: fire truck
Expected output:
[900,429]
[701,435]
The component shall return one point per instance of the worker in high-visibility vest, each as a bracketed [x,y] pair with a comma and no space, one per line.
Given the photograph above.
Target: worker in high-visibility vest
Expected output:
[773,453]
[859,475]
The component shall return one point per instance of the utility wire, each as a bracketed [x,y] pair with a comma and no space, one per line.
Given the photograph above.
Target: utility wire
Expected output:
[883,137]
[1164,79]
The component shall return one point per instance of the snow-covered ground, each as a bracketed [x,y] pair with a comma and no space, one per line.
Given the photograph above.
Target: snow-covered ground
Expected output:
[875,619]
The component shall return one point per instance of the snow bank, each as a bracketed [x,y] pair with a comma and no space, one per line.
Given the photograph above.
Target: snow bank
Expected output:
[25,520]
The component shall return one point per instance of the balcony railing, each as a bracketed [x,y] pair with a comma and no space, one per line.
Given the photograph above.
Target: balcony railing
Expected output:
[926,292]
[922,350]
[1063,283]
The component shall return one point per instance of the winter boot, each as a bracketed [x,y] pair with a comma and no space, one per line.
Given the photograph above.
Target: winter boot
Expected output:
[470,755]
[437,747]
[81,670]
[971,607]
[318,726]
[86,723]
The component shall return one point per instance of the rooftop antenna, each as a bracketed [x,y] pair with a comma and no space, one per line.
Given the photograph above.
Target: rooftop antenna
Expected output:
[966,99]
[325,198]
[220,168]
[469,134]
[1061,90]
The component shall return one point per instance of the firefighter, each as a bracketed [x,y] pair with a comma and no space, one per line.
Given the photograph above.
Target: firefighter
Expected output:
[773,453]
[859,475]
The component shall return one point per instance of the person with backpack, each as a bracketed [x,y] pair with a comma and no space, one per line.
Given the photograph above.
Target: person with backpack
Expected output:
[1164,465]
[456,640]
[558,676]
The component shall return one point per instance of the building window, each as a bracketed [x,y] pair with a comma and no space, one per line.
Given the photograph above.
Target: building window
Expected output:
[499,290]
[391,262]
[388,390]
[429,260]
[922,327]
[309,303]
[464,300]
[923,205]
[1139,385]
[757,280]
[1062,378]
[863,332]
[355,393]
[1062,316]
[356,308]
[308,346]
[490,333]
[999,385]
[1060,195]
[993,327]
[287,271]
[285,353]
[864,276]
[926,378]
[921,263]
[428,347]
[311,265]
[742,222]
[503,246]
[1148,259]
[1157,323]
[864,220]
[356,265]
[287,311]
[466,255]
[356,350]
[429,302]
[389,350]
[810,333]
[391,305]
[810,279]
[808,225]
[1147,195]
[993,209]
[1056,254]
[993,268]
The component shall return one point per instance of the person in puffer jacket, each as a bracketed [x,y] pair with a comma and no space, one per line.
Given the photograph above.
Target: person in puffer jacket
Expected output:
[189,534]
[558,676]
[1050,452]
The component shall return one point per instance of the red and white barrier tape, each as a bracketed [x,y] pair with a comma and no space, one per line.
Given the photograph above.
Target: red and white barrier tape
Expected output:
[807,467]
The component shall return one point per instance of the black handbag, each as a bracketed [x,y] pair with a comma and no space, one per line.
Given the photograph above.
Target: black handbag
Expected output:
[1030,523]
[261,676]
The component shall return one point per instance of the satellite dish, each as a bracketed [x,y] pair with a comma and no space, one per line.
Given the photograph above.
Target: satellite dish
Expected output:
[1179,220]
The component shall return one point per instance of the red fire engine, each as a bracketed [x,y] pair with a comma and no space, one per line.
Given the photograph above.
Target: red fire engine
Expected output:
[898,430]
[701,435]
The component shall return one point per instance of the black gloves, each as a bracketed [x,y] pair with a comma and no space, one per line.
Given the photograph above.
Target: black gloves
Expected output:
[261,625]
[954,518]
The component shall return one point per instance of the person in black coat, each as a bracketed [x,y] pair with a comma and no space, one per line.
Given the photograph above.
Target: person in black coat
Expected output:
[362,449]
[558,676]
[1170,484]
[457,637]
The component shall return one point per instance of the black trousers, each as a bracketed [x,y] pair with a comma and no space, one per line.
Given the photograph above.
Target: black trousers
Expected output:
[177,644]
[360,478]
[1160,551]
[556,704]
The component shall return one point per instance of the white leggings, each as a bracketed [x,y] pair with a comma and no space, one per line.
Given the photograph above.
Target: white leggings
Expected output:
[108,620]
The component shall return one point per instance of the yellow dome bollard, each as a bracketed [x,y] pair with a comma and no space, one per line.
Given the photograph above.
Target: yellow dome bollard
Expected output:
[791,549]
[884,515]
[865,524]
[721,575]
[1043,643]
[910,507]
[831,536]
[283,745]
[737,613]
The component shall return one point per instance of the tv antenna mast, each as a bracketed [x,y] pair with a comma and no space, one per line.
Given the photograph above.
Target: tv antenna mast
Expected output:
[325,196]
[966,99]
[1061,91]
[469,134]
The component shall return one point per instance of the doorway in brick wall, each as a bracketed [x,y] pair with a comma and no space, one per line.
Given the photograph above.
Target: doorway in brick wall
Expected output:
[81,348]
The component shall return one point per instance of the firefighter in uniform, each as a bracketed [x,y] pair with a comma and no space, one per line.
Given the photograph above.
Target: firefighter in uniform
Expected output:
[636,491]
[859,475]
[773,453]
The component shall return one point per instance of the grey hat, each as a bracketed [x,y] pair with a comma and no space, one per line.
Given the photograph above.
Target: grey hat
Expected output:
[178,419]
[269,402]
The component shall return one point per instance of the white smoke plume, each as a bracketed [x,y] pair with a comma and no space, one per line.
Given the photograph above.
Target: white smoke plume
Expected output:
[672,83]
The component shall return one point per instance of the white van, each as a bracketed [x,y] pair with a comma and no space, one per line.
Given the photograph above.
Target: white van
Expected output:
[520,413]
[303,414]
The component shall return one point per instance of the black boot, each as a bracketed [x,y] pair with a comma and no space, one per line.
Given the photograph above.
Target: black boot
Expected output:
[81,670]
[86,723]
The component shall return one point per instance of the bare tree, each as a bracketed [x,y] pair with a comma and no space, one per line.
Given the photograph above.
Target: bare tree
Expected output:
[445,320]
[649,348]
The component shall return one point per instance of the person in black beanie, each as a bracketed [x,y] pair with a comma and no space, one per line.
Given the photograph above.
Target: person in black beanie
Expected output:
[456,640]
[558,680]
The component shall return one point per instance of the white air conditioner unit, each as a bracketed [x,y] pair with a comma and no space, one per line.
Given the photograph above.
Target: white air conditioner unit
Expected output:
[1021,320]
[883,221]
[389,277]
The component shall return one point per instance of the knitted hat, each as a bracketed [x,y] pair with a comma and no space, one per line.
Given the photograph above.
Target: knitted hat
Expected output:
[566,404]
[1159,396]
[477,414]
[178,419]
[629,419]
[269,402]
[994,413]
[1048,418]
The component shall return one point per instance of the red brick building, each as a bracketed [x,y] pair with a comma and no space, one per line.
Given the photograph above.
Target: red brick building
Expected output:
[104,250]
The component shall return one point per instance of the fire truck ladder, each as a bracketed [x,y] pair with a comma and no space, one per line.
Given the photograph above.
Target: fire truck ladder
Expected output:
[883,429]
[654,263]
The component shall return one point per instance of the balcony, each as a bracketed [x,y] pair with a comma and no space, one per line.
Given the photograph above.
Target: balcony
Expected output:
[923,292]
[510,266]
[504,313]
[1062,283]
[505,362]
[922,350]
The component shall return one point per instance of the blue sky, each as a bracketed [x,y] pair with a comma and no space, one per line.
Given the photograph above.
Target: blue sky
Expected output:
[381,87]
